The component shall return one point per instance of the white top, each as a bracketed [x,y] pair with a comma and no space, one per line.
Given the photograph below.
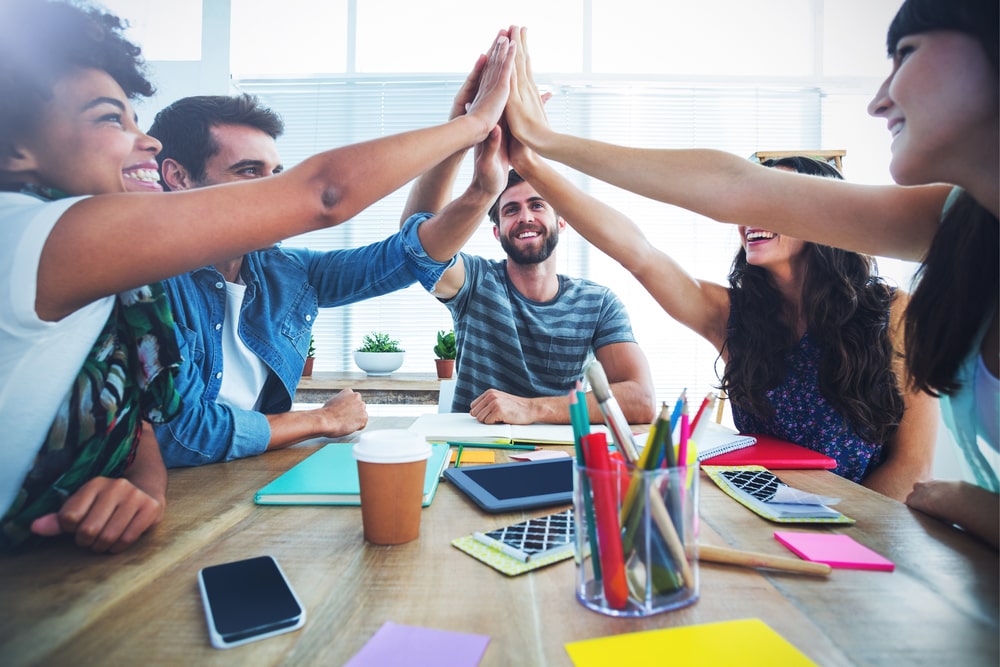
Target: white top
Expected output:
[38,360]
[243,372]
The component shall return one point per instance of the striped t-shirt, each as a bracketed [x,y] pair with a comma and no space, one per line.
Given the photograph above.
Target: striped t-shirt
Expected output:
[524,347]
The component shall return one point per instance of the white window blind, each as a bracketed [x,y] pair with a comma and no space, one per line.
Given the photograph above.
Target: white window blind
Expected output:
[322,113]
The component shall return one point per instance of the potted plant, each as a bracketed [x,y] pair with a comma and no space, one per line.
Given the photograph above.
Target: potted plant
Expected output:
[379,354]
[445,351]
[307,370]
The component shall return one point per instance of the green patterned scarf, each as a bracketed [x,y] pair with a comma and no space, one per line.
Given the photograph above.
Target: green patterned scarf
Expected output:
[97,427]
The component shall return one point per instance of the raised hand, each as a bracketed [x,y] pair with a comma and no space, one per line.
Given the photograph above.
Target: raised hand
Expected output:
[494,82]
[525,112]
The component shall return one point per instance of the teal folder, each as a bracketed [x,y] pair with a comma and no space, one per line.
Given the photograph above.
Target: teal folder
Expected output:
[330,477]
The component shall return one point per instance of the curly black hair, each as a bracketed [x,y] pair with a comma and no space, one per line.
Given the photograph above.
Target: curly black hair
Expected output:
[847,311]
[42,41]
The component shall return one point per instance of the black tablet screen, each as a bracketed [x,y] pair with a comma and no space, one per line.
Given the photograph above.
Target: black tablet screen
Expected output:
[521,481]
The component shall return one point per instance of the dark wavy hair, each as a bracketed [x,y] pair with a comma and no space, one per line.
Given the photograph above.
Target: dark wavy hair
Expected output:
[956,285]
[185,127]
[43,41]
[847,311]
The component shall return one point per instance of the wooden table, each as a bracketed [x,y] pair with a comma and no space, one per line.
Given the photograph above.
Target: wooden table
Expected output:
[60,605]
[395,389]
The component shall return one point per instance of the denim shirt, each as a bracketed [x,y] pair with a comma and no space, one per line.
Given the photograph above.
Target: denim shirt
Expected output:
[285,287]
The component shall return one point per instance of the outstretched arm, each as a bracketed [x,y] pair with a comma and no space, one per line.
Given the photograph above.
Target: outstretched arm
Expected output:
[185,230]
[889,221]
[699,305]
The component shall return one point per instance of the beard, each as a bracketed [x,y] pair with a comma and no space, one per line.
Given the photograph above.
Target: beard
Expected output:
[536,255]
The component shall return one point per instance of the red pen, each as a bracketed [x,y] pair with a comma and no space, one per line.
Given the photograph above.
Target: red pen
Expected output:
[701,410]
[595,446]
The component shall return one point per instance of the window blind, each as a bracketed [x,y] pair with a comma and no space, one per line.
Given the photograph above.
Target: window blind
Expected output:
[322,113]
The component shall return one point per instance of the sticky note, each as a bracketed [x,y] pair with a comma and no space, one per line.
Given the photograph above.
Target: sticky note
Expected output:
[834,550]
[395,644]
[747,642]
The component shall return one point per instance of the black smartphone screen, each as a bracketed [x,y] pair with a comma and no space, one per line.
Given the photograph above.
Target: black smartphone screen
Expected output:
[248,599]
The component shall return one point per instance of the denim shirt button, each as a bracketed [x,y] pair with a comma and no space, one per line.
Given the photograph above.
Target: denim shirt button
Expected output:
[309,318]
[219,285]
[218,326]
[218,376]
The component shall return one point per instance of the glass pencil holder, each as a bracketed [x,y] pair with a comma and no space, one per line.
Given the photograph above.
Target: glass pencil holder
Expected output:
[636,538]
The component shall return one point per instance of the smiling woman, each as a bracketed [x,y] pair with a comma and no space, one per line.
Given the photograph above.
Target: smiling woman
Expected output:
[89,313]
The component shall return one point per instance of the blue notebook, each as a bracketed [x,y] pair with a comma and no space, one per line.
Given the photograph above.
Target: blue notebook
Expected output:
[330,477]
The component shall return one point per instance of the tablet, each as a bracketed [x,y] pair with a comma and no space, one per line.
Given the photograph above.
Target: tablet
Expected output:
[508,487]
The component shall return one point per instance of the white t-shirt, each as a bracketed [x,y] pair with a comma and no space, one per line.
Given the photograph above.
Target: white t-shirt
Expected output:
[38,360]
[243,372]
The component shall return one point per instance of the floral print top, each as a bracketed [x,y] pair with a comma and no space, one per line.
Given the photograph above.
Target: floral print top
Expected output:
[804,417]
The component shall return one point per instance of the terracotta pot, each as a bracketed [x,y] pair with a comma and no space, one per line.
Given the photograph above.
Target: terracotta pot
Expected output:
[307,370]
[445,368]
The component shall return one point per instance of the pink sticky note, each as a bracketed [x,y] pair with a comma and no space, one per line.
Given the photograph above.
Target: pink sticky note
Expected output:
[395,644]
[834,550]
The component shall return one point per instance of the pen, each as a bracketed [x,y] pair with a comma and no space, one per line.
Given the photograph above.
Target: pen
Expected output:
[581,399]
[753,559]
[682,447]
[458,457]
[494,445]
[578,417]
[501,546]
[675,416]
[608,529]
[701,411]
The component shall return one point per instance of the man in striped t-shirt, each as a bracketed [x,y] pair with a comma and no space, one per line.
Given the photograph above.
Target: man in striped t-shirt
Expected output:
[524,332]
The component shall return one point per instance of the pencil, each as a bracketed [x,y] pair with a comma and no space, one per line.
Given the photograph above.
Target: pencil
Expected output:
[729,556]
[493,445]
[458,457]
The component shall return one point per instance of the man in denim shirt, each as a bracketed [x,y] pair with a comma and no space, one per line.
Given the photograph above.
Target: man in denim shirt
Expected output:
[245,324]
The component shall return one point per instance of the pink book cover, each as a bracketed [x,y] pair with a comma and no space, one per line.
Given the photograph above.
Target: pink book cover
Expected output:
[774,454]
[834,550]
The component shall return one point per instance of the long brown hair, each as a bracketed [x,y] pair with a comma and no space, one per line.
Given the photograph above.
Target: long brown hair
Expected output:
[847,310]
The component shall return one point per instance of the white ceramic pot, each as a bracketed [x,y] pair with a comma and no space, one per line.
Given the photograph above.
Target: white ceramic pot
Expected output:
[378,363]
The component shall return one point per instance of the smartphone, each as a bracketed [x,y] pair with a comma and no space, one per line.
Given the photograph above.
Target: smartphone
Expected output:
[248,600]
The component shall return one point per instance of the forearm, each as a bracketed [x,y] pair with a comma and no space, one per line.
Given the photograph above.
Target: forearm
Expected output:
[888,221]
[444,235]
[147,471]
[199,227]
[634,398]
[973,508]
[289,428]
[601,225]
[431,192]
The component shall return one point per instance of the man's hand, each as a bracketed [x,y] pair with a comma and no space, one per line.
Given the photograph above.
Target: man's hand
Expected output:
[343,414]
[105,514]
[496,407]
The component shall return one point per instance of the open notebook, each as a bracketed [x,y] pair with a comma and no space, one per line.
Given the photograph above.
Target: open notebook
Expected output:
[717,439]
[463,427]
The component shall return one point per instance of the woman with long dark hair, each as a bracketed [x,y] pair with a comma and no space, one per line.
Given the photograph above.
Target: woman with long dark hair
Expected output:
[942,105]
[810,336]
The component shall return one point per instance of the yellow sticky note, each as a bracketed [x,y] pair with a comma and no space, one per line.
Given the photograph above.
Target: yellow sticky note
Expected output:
[474,455]
[748,642]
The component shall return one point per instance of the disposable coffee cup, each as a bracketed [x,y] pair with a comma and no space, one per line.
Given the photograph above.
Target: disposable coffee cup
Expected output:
[391,467]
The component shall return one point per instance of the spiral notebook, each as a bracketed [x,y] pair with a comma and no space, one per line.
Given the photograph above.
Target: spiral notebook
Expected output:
[718,439]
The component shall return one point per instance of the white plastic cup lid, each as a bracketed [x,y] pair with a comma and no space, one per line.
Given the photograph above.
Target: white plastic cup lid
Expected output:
[391,446]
